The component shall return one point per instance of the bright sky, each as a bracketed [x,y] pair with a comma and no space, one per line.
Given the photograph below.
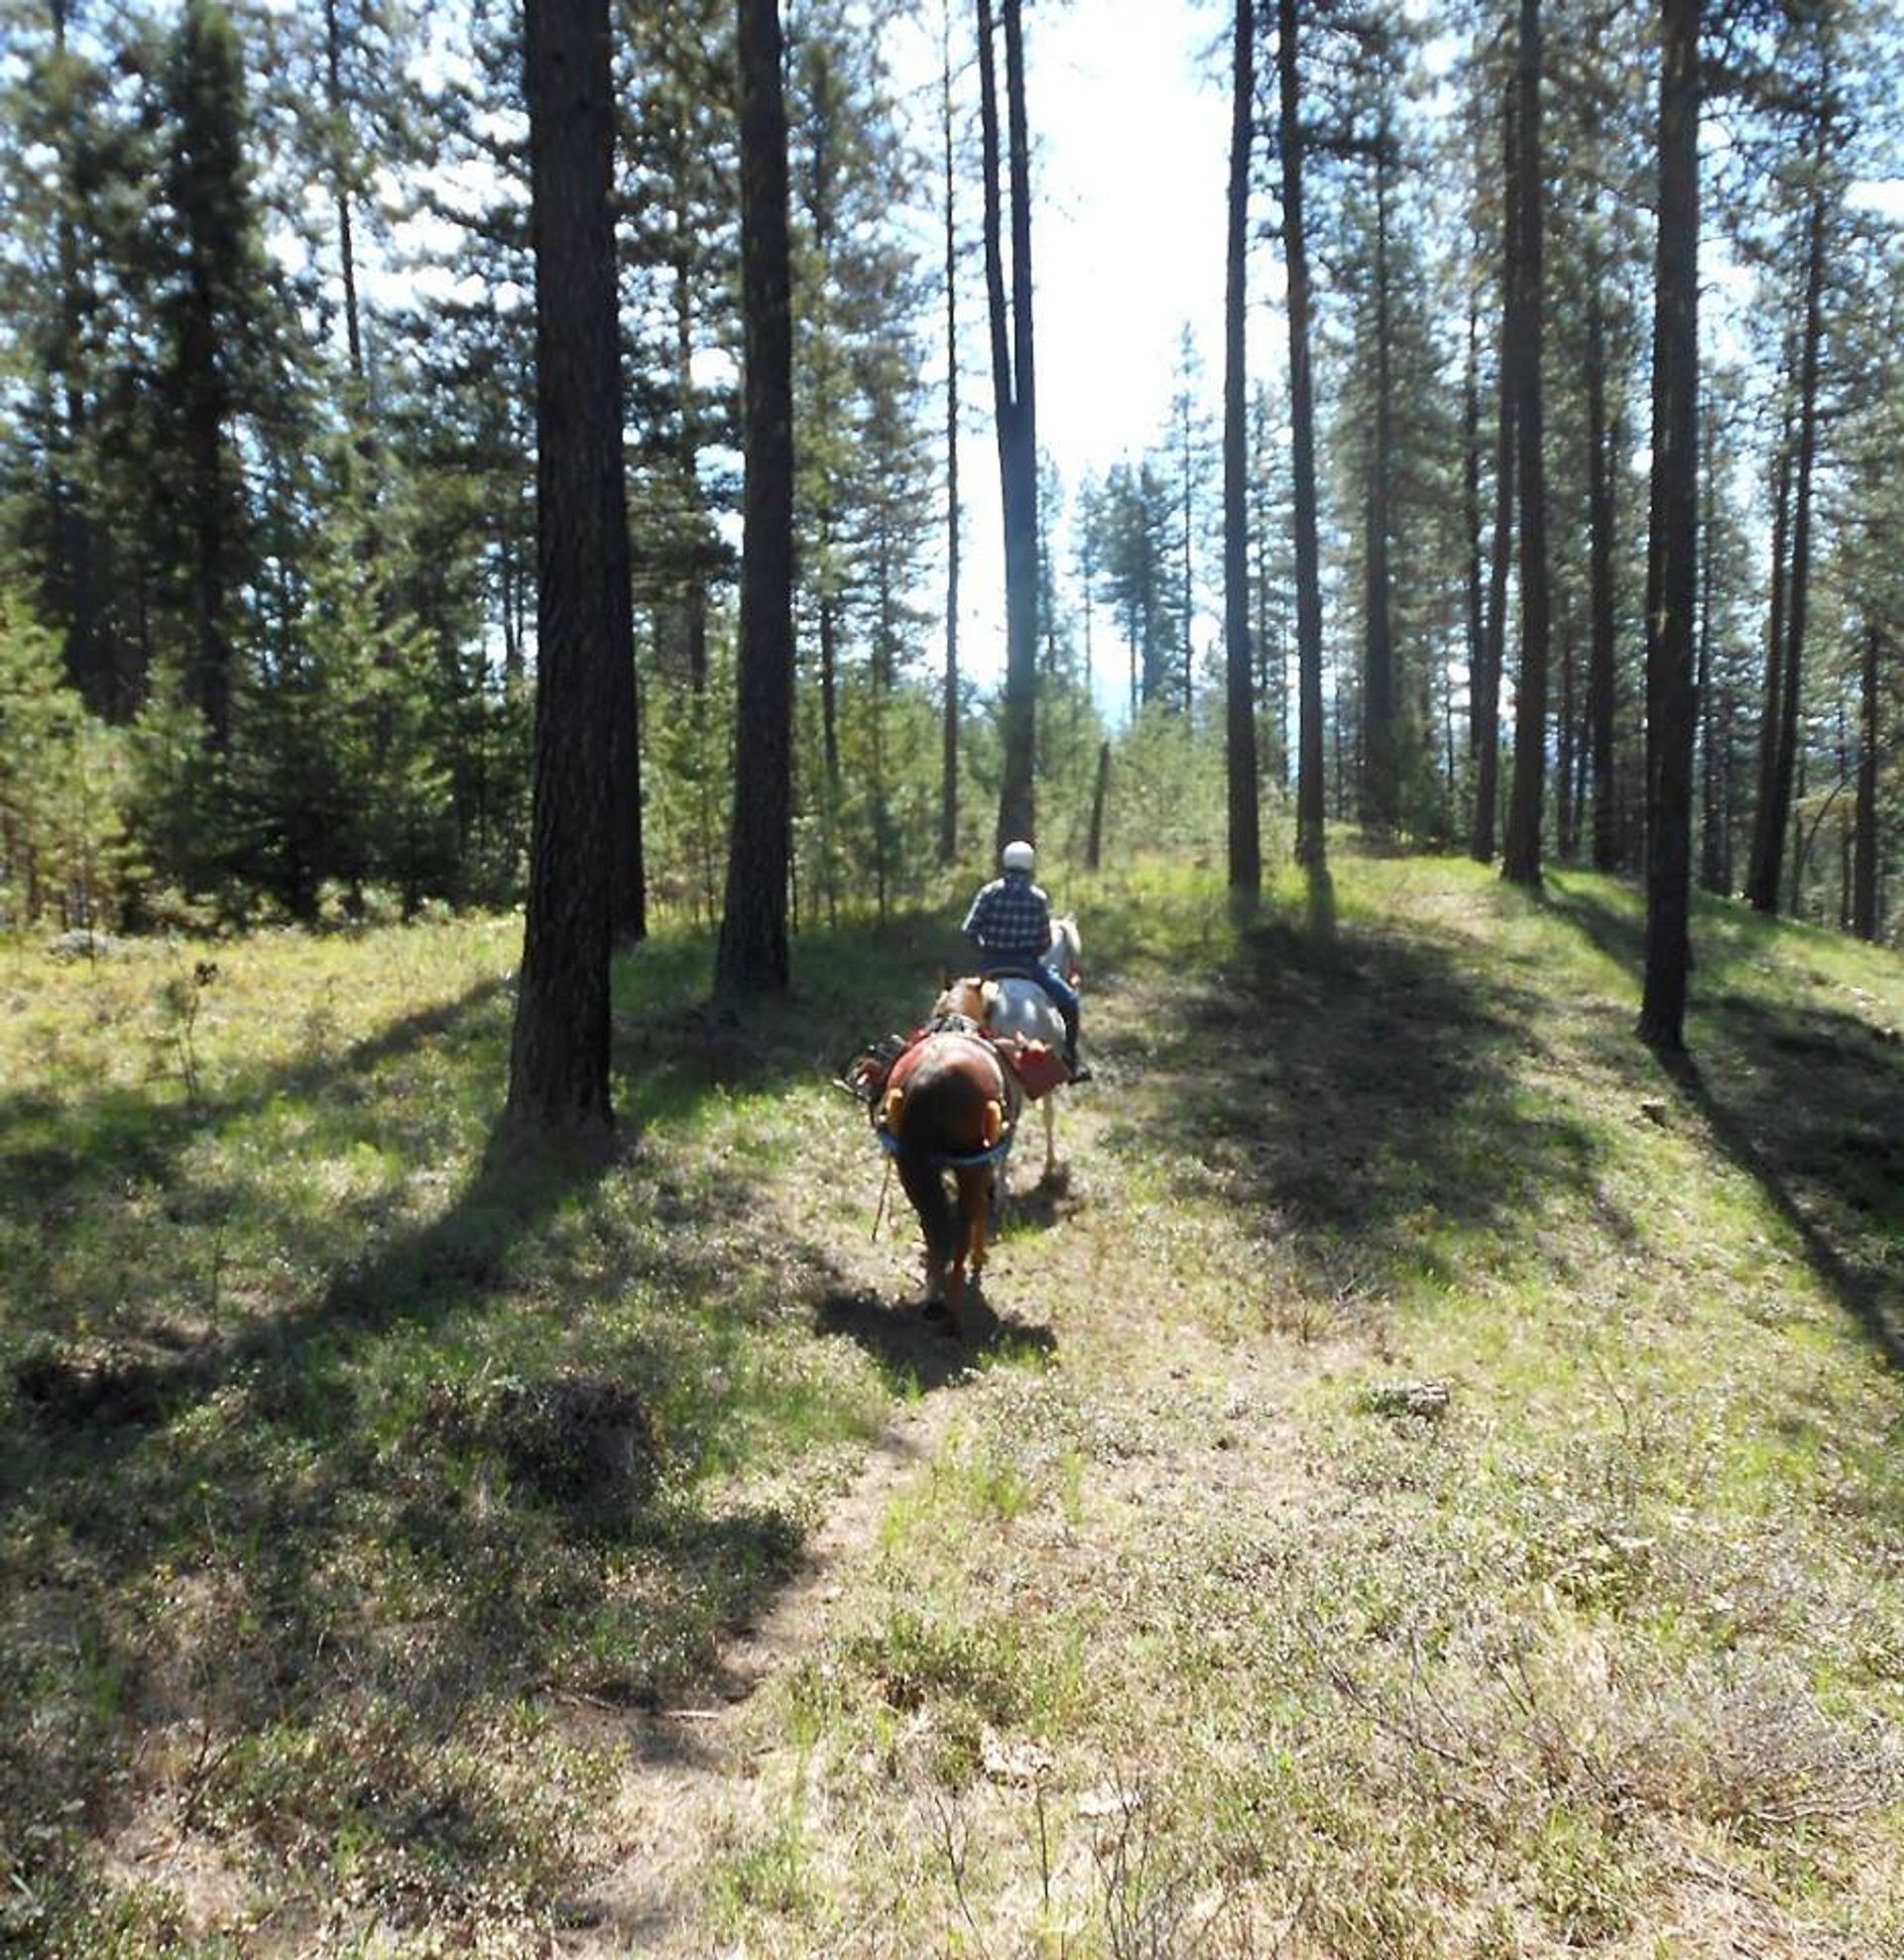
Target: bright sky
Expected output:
[1128,228]
[1128,106]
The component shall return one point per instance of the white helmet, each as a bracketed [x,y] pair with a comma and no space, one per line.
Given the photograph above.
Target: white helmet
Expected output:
[1018,856]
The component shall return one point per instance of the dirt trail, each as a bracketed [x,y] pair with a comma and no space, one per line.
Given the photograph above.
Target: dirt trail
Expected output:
[693,1777]
[700,1776]
[1079,1275]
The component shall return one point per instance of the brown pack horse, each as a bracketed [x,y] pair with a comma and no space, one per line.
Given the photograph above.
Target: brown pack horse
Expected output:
[947,1115]
[1020,1009]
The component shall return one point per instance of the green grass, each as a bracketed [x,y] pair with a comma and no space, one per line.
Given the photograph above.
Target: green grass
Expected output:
[1604,1659]
[363,1490]
[286,1566]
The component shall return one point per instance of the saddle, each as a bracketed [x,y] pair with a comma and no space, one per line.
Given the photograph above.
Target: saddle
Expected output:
[883,1065]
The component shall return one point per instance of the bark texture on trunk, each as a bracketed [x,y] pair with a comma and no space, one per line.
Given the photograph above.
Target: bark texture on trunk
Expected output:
[1864,879]
[1311,795]
[1015,391]
[1381,743]
[1602,647]
[559,1085]
[1245,846]
[949,736]
[753,956]
[1673,562]
[1520,854]
[1485,685]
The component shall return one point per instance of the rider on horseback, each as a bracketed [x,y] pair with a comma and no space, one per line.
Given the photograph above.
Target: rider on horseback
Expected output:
[1011,924]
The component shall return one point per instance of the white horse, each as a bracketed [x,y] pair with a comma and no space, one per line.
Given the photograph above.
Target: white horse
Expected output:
[1010,1006]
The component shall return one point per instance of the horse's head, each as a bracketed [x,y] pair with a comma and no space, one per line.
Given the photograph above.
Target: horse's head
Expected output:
[969,997]
[1066,950]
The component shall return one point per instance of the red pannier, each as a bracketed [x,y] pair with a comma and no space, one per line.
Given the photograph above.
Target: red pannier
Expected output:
[1036,1065]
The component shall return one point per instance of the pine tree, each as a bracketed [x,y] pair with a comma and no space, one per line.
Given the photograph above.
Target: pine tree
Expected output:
[1311,848]
[1014,397]
[559,1083]
[60,109]
[753,956]
[212,316]
[1521,855]
[1245,839]
[1672,568]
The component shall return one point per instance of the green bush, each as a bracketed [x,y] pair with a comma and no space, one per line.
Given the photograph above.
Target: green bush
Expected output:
[63,851]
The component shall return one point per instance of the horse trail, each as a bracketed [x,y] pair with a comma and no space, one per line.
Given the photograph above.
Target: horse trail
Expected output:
[699,1776]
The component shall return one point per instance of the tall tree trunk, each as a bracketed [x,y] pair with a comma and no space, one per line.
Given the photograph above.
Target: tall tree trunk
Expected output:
[1714,798]
[340,192]
[628,897]
[1311,844]
[1603,643]
[1798,592]
[1673,561]
[90,662]
[1485,685]
[212,659]
[1471,522]
[1864,879]
[753,956]
[1520,854]
[949,760]
[692,596]
[829,637]
[1566,745]
[1014,393]
[1796,899]
[1761,891]
[559,1079]
[1188,593]
[1766,857]
[629,904]
[1381,749]
[1245,844]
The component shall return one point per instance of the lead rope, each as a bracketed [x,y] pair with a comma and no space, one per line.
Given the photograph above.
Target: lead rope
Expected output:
[878,1210]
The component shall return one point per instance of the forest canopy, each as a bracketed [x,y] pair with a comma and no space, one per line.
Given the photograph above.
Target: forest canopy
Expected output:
[268,456]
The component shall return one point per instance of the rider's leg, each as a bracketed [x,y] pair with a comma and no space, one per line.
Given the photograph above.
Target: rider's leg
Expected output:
[1064,997]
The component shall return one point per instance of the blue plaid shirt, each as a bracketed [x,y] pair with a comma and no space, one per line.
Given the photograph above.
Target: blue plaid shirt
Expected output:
[1011,918]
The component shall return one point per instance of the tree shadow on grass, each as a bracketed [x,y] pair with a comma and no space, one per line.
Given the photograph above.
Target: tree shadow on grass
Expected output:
[146,1370]
[1807,1100]
[75,1160]
[1358,1095]
[344,1526]
[262,1518]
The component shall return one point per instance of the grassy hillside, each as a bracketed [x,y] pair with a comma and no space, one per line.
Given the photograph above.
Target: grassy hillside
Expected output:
[1426,1482]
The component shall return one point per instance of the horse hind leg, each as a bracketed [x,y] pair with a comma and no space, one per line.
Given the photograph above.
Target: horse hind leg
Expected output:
[955,1300]
[974,1200]
[938,1223]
